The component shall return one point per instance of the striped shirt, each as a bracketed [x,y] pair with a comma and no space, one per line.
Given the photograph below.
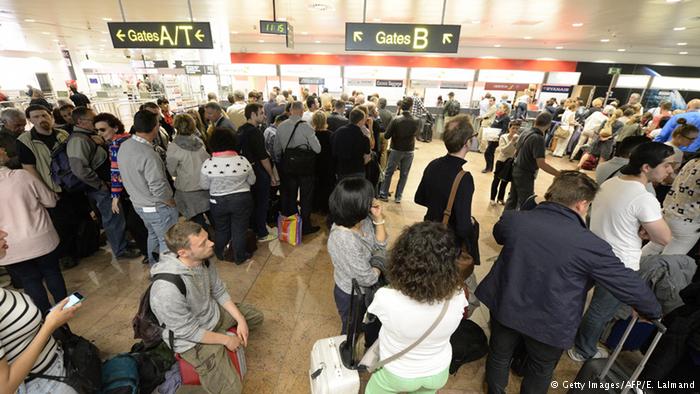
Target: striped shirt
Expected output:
[20,321]
[116,176]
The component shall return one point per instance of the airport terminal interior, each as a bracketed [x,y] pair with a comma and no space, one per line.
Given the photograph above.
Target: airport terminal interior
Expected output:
[576,210]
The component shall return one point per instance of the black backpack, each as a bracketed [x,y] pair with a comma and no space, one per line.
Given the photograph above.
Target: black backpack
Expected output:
[145,324]
[61,173]
[299,160]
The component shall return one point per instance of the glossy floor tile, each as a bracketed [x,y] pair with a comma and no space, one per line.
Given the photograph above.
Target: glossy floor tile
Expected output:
[293,287]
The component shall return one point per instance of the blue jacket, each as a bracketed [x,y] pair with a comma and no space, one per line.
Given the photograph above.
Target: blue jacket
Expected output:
[549,261]
[666,133]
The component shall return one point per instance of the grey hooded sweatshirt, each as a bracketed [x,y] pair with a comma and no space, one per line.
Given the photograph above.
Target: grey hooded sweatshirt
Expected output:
[188,317]
[184,160]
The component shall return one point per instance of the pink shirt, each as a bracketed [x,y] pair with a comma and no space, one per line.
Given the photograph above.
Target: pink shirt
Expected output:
[23,216]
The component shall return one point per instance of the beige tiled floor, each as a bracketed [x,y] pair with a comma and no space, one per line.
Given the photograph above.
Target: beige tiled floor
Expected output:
[293,287]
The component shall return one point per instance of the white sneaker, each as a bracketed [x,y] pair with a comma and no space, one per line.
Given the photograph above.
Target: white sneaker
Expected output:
[269,237]
[574,355]
[492,202]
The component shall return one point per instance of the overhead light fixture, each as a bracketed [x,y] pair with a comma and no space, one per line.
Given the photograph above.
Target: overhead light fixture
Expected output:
[621,50]
[682,44]
[107,19]
[104,32]
[30,20]
[527,38]
[304,33]
[475,21]
[234,32]
[46,33]
[317,41]
[261,41]
[558,47]
[268,52]
[547,59]
[663,64]
[577,24]
[489,57]
[683,53]
[679,28]
[604,61]
[55,40]
[282,19]
[673,1]
[604,40]
[376,20]
[496,45]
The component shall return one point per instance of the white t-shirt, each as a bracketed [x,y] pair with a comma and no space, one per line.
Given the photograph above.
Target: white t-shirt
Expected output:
[618,211]
[306,116]
[404,320]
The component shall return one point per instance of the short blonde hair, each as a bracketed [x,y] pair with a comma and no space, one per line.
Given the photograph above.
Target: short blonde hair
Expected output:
[185,124]
[319,120]
[597,102]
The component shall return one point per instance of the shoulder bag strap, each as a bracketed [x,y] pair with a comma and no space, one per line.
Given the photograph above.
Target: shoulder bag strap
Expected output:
[293,131]
[437,321]
[451,201]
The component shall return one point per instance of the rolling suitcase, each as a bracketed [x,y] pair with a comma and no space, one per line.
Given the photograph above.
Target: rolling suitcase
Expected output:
[604,375]
[333,366]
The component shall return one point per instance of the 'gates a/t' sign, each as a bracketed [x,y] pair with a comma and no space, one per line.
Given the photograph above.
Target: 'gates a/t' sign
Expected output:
[401,37]
[181,35]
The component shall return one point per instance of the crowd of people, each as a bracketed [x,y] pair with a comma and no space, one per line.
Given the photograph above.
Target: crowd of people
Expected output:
[179,189]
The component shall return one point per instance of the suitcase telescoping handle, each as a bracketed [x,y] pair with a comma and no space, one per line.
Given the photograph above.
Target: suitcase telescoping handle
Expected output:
[661,329]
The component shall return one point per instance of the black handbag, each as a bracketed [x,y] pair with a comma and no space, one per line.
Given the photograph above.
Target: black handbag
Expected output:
[82,363]
[300,160]
[505,173]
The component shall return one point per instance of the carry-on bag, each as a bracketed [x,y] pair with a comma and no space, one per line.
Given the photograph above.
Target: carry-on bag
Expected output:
[333,366]
[190,376]
[605,375]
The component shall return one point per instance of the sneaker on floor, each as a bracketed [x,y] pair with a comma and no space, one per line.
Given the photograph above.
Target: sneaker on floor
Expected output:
[130,254]
[501,202]
[574,355]
[397,200]
[383,198]
[492,202]
[310,230]
[269,237]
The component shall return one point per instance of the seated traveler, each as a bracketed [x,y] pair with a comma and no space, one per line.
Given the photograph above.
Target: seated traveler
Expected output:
[199,320]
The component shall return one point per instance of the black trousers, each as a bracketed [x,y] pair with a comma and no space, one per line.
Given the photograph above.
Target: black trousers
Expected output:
[135,226]
[522,188]
[66,217]
[304,187]
[34,272]
[490,154]
[542,359]
[498,186]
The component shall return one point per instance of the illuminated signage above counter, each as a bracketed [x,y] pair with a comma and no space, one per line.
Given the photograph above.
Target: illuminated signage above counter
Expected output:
[165,35]
[399,37]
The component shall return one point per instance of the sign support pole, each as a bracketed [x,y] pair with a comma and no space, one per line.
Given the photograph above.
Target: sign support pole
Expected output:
[121,8]
[444,7]
[364,13]
[189,6]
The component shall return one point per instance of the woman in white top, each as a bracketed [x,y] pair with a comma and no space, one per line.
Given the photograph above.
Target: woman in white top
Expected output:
[505,151]
[228,176]
[424,277]
[568,123]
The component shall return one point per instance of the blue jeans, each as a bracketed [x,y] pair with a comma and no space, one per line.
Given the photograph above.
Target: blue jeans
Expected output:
[157,223]
[602,308]
[403,160]
[232,214]
[261,197]
[113,223]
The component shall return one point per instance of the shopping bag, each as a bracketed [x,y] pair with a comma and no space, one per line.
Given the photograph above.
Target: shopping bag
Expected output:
[289,229]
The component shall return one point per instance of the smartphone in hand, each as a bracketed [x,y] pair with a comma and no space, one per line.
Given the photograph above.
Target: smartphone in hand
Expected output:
[73,299]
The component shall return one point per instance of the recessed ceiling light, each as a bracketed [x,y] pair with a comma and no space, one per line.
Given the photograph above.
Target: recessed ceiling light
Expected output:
[261,41]
[107,19]
[577,24]
[304,33]
[558,47]
[673,1]
[282,19]
[30,20]
[663,64]
[104,32]
[679,28]
[317,41]
[548,59]
[621,50]
[527,38]
[476,21]
[604,40]
[376,20]
[683,53]
[268,52]
[604,61]
[497,45]
[682,44]
[46,33]
[234,32]
[55,40]
[489,57]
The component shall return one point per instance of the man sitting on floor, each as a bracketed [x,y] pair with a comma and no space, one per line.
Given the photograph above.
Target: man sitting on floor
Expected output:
[198,324]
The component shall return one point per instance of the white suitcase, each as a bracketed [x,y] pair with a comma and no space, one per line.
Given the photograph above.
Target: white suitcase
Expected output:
[328,374]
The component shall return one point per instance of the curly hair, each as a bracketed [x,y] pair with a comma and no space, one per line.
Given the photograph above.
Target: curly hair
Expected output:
[223,139]
[422,264]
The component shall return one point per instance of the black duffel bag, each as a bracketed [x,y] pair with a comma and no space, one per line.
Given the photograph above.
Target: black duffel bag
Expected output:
[300,160]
